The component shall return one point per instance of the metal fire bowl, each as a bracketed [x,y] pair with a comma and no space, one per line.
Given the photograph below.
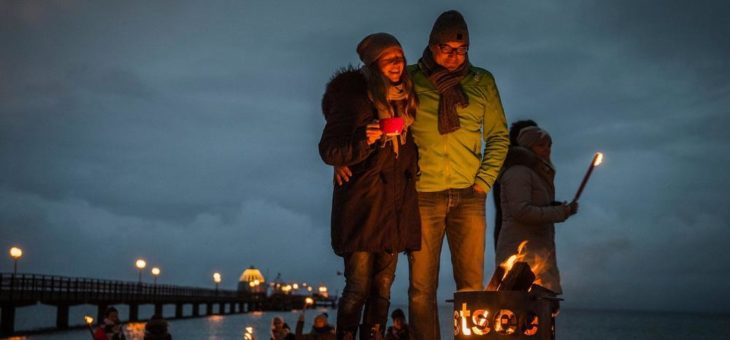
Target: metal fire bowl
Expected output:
[501,315]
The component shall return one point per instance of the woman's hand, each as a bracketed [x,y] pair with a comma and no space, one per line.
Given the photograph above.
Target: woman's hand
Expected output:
[373,133]
[573,208]
[570,208]
[342,174]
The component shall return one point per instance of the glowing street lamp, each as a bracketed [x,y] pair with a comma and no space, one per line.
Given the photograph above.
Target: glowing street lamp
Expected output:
[16,253]
[140,265]
[217,280]
[155,273]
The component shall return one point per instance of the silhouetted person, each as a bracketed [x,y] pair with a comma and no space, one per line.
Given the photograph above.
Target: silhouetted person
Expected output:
[399,329]
[110,328]
[321,329]
[280,330]
[156,329]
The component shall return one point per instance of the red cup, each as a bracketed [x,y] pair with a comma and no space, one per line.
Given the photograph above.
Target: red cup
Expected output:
[392,126]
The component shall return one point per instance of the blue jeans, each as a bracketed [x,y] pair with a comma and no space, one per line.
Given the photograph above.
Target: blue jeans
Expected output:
[459,214]
[368,277]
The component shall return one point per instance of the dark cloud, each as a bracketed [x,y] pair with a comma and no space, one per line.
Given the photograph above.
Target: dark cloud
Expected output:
[188,134]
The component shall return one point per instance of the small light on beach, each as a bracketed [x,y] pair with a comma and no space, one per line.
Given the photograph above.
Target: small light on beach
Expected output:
[248,334]
[89,319]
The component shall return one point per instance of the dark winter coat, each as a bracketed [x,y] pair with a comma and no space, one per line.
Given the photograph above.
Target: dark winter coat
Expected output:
[377,210]
[529,212]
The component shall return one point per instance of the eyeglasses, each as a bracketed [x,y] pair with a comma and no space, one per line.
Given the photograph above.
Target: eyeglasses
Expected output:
[446,49]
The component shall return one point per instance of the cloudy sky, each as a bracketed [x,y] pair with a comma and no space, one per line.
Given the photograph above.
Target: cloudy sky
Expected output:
[186,134]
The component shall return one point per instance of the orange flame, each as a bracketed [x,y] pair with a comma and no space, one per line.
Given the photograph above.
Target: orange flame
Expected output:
[507,265]
[538,264]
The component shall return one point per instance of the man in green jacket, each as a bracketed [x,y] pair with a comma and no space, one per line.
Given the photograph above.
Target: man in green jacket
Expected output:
[462,139]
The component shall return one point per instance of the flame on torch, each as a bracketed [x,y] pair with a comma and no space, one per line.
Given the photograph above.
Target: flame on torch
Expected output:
[597,160]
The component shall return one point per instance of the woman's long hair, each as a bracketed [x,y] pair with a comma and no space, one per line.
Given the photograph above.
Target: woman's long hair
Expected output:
[378,86]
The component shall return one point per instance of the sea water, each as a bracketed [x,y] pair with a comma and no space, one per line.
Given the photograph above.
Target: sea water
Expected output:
[571,324]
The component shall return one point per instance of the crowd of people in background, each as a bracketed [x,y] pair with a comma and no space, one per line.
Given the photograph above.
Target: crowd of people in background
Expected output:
[111,327]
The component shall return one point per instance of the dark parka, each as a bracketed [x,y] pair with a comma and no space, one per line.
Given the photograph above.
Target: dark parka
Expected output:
[377,210]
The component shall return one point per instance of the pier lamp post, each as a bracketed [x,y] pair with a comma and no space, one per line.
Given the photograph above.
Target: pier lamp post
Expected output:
[217,280]
[16,253]
[155,274]
[140,266]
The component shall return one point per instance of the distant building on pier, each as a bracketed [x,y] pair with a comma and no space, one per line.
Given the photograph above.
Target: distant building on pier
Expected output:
[252,282]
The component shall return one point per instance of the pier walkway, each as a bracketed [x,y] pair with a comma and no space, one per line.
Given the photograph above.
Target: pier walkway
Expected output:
[18,290]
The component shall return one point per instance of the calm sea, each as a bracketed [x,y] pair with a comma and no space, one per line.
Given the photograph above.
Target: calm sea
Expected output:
[571,324]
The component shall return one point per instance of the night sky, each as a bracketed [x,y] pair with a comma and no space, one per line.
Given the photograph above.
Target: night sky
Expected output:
[186,134]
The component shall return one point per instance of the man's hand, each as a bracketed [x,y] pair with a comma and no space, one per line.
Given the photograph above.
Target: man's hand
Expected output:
[373,133]
[342,174]
[478,189]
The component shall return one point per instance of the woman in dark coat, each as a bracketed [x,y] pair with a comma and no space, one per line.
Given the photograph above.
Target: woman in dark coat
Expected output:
[529,210]
[375,212]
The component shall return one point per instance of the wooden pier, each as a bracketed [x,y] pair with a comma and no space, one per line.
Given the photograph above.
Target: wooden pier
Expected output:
[19,290]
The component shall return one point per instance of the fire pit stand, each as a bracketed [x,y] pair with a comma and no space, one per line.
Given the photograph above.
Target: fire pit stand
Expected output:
[502,315]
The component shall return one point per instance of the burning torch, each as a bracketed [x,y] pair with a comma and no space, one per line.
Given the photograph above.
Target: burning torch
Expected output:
[89,320]
[597,159]
[248,334]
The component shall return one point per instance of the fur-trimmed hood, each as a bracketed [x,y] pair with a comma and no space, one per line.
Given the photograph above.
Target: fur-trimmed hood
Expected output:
[345,85]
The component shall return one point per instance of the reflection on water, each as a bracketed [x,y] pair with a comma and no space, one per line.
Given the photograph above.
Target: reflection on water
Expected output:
[571,324]
[134,330]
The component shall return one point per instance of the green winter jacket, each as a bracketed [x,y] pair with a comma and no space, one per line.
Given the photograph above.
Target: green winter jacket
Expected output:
[474,153]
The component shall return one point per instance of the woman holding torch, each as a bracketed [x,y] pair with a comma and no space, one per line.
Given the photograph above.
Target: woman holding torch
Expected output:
[375,207]
[529,210]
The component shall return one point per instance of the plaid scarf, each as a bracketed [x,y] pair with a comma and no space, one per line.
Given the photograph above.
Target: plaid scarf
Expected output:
[452,94]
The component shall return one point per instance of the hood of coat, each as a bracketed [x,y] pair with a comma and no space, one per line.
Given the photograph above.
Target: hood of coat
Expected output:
[346,87]
[518,155]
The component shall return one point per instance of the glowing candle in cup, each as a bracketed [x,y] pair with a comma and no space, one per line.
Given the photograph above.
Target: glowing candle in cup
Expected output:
[597,159]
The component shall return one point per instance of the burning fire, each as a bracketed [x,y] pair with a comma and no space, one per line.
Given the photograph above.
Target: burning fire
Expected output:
[507,265]
[599,159]
[537,263]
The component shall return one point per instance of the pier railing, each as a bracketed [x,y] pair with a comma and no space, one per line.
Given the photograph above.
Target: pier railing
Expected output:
[18,290]
[31,288]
